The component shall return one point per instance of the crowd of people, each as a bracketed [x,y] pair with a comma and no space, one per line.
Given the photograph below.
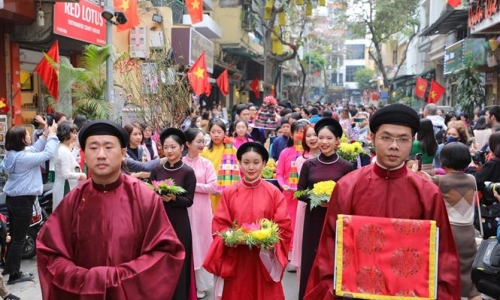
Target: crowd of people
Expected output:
[111,235]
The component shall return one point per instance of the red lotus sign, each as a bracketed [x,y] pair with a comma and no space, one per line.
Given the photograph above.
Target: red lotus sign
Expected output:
[80,21]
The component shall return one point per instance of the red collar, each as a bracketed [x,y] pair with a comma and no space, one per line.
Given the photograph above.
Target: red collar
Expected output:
[389,174]
[108,187]
[251,185]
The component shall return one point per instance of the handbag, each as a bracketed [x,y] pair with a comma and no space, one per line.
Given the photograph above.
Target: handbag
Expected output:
[486,267]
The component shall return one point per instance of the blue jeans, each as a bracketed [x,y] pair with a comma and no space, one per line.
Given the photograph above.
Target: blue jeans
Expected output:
[20,213]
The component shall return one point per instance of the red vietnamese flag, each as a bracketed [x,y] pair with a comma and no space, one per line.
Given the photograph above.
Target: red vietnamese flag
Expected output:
[223,83]
[198,76]
[129,8]
[195,10]
[254,85]
[454,3]
[208,86]
[48,73]
[436,92]
[420,87]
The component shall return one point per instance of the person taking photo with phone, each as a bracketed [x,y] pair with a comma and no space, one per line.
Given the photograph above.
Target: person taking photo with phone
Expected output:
[22,164]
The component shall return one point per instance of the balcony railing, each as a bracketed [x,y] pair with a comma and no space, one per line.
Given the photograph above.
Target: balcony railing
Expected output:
[178,8]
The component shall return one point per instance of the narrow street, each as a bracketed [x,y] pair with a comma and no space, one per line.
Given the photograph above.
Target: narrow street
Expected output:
[31,290]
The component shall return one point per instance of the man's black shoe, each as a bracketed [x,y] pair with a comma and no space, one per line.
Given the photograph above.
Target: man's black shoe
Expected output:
[13,279]
[11,297]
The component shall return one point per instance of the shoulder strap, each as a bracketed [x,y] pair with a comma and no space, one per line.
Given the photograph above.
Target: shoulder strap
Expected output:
[478,204]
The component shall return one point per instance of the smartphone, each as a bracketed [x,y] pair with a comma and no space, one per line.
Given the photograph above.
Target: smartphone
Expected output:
[418,157]
[358,120]
[50,120]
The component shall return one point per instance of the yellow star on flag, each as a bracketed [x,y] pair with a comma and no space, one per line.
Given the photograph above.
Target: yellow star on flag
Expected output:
[420,87]
[196,4]
[200,73]
[125,6]
[433,95]
[2,105]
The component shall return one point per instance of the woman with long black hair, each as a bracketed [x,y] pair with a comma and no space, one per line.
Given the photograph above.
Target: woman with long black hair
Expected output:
[426,145]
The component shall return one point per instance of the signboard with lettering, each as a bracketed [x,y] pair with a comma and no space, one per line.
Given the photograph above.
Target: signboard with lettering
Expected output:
[199,43]
[481,10]
[80,21]
[453,57]
[188,44]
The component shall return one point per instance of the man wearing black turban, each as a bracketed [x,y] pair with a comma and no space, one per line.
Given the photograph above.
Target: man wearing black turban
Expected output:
[109,237]
[387,189]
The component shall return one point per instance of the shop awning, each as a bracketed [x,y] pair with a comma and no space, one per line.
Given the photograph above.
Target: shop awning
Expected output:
[242,51]
[428,74]
[449,20]
[402,80]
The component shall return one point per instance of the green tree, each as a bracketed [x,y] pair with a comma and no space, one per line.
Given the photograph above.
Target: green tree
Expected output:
[382,21]
[90,87]
[82,90]
[314,61]
[469,92]
[362,77]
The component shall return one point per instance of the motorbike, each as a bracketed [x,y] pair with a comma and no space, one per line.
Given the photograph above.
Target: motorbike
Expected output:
[29,249]
[45,200]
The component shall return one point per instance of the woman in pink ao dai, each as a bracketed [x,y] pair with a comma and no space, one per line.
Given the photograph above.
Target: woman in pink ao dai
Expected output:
[200,213]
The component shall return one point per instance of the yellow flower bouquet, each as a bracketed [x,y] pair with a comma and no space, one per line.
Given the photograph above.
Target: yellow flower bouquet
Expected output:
[319,194]
[350,151]
[263,234]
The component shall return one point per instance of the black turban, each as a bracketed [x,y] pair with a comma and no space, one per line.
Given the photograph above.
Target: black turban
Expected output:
[102,127]
[397,114]
[173,131]
[284,104]
[252,146]
[332,123]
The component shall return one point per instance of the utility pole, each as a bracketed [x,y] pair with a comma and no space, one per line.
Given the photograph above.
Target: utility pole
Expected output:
[110,92]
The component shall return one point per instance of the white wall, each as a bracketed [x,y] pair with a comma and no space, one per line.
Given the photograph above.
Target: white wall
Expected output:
[436,8]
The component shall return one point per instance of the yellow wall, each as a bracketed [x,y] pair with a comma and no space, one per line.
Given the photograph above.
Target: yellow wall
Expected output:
[387,53]
[230,17]
[121,39]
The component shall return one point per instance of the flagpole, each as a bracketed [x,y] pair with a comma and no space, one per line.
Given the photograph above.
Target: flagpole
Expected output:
[110,93]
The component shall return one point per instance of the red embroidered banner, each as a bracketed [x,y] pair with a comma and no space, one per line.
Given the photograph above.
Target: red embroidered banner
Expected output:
[384,258]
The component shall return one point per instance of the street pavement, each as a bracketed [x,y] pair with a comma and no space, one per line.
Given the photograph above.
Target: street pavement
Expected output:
[31,290]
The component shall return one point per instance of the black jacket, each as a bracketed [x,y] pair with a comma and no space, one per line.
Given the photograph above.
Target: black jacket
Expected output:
[489,172]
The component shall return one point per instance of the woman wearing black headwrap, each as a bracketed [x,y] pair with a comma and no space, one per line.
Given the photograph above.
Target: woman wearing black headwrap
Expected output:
[242,272]
[173,141]
[327,166]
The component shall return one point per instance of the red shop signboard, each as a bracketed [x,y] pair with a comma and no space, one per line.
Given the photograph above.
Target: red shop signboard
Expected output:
[80,21]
